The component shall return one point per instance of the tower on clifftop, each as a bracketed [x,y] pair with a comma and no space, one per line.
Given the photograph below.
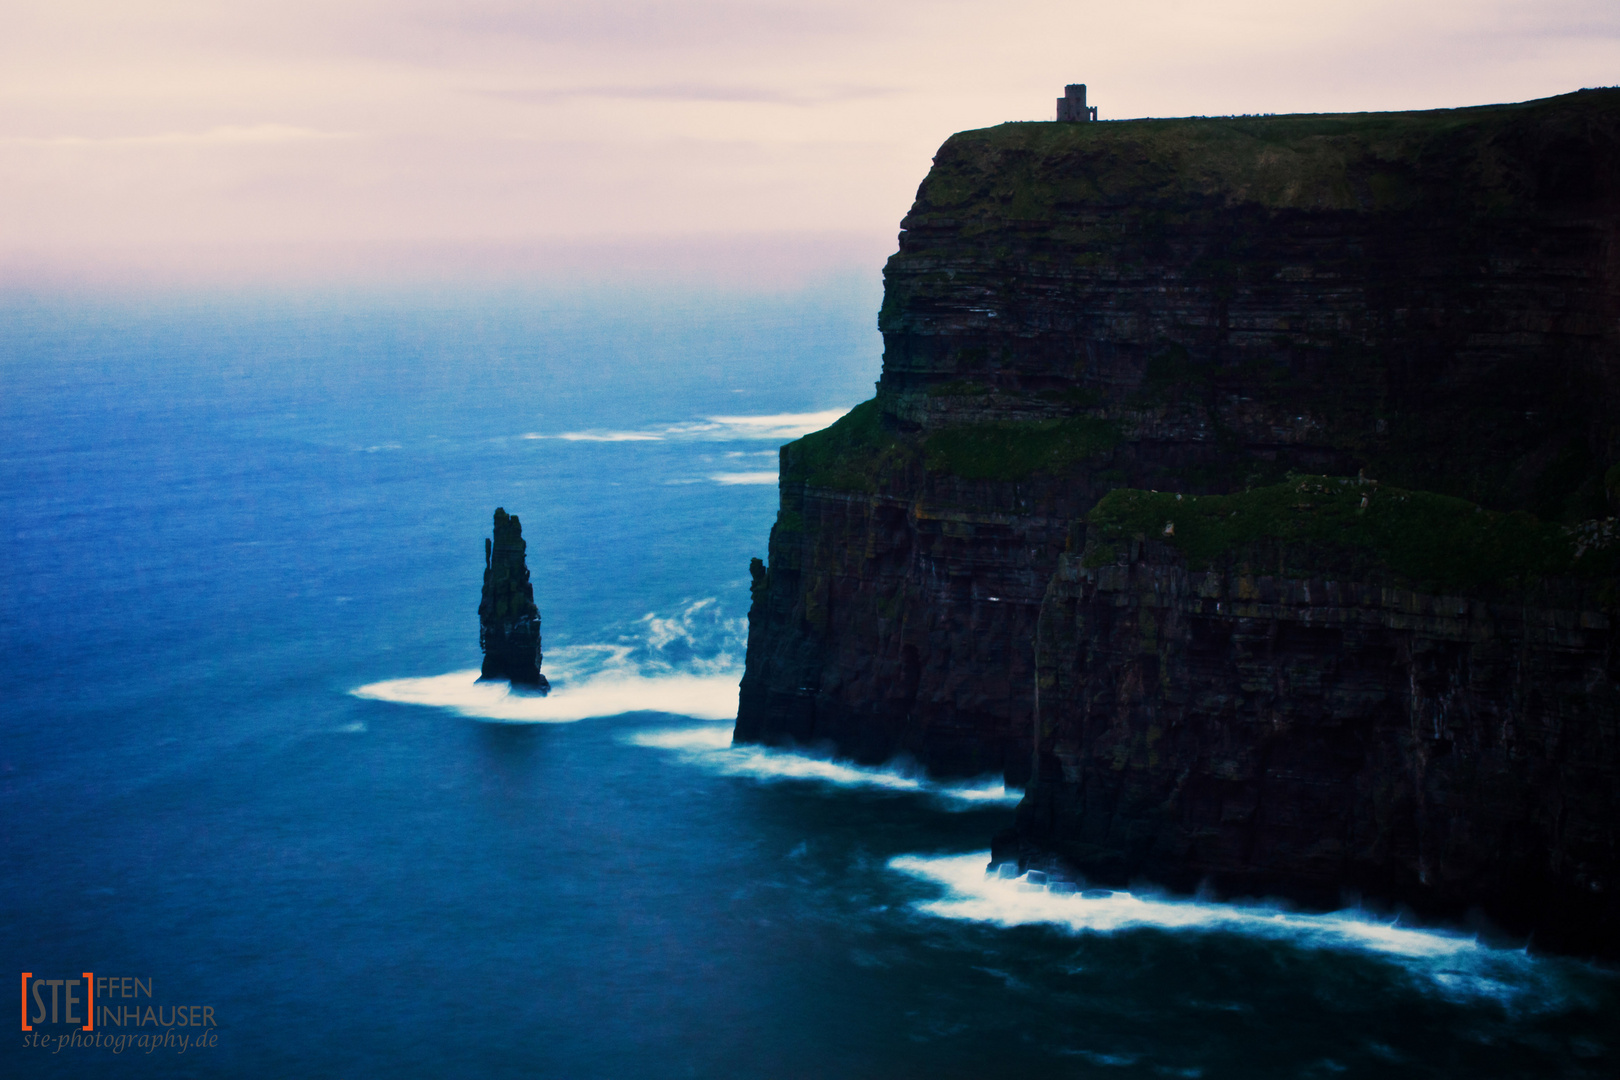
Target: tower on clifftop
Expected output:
[1072,105]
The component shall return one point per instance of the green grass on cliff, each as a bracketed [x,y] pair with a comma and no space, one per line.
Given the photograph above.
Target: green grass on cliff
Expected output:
[1432,540]
[849,455]
[858,451]
[1014,451]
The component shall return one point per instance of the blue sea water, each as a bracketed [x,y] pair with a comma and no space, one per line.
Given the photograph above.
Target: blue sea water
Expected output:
[244,759]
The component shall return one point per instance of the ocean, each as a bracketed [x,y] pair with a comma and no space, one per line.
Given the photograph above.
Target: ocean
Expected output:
[246,767]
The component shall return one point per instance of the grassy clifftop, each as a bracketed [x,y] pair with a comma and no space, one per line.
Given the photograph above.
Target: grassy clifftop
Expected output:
[1351,161]
[858,451]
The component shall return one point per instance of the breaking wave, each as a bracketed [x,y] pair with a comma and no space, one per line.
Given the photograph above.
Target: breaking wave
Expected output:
[687,663]
[733,478]
[708,697]
[710,747]
[778,427]
[1456,965]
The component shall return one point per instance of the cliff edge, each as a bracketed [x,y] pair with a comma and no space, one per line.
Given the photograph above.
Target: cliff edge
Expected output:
[1212,307]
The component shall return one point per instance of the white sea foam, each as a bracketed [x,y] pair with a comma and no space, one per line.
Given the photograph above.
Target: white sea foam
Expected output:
[600,436]
[710,747]
[745,477]
[606,693]
[708,641]
[687,662]
[974,894]
[1454,965]
[777,427]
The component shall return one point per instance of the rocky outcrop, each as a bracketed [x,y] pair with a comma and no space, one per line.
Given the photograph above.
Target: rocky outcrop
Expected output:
[1193,305]
[508,620]
[1203,307]
[1305,691]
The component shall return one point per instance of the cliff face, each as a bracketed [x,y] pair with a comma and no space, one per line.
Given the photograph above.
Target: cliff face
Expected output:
[1197,306]
[508,620]
[1329,687]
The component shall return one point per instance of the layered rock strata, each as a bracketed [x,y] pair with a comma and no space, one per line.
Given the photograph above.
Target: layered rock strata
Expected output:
[1195,305]
[1297,711]
[508,620]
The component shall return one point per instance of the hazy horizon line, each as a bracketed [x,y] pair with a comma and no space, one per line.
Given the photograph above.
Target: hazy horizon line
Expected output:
[763,261]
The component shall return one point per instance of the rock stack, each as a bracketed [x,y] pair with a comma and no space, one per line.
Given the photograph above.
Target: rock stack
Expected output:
[508,620]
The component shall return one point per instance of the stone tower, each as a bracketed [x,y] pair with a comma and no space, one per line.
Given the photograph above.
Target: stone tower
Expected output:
[1072,105]
[508,620]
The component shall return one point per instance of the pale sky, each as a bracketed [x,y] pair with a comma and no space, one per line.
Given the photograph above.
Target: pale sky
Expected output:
[362,138]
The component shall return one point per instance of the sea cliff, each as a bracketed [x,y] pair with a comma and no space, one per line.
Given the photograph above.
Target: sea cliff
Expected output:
[1213,307]
[1331,688]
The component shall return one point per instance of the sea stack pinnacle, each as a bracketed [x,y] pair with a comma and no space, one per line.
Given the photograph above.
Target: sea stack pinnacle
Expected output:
[508,620]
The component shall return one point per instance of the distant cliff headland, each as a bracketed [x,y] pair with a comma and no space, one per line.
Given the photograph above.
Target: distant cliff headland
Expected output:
[1245,488]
